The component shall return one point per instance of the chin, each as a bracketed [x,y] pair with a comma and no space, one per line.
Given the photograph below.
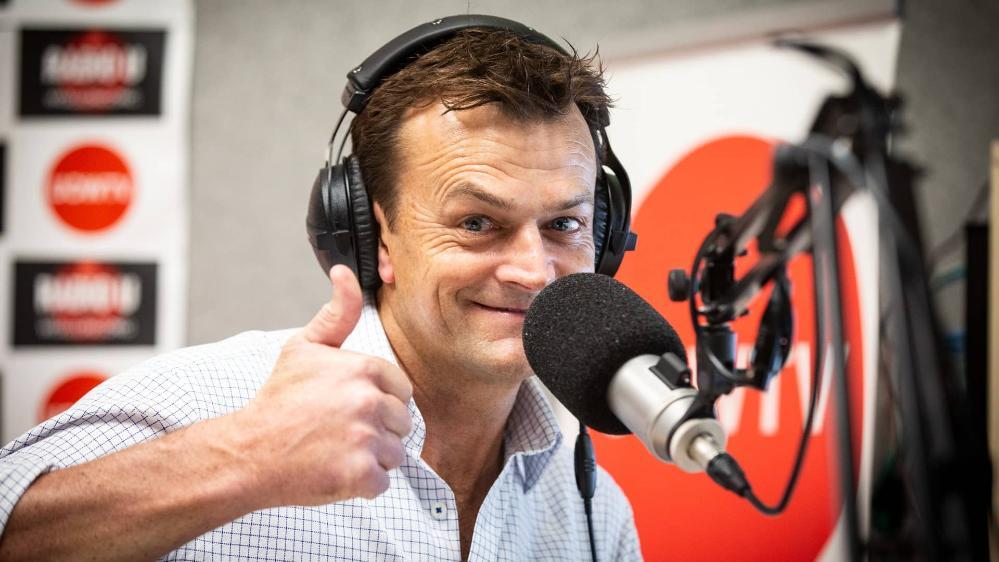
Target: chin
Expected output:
[505,359]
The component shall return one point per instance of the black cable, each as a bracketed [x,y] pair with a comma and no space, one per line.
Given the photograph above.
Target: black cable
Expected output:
[806,431]
[586,480]
[762,507]
[588,506]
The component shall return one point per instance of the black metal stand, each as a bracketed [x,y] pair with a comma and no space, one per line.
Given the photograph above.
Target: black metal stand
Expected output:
[846,151]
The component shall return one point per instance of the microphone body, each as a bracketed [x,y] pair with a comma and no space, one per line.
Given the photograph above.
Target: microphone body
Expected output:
[653,411]
[619,367]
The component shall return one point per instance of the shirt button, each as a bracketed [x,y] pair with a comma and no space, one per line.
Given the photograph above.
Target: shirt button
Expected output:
[438,510]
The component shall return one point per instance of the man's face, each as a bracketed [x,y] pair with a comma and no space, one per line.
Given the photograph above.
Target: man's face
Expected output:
[490,211]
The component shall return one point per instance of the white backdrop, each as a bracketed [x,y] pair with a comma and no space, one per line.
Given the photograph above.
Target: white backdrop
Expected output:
[129,53]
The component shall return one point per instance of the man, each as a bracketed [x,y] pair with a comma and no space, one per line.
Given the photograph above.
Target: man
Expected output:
[406,418]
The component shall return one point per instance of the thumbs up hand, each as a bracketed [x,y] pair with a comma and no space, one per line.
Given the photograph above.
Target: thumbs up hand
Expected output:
[328,423]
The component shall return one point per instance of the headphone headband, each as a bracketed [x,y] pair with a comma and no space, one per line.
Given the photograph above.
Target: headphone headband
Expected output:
[397,53]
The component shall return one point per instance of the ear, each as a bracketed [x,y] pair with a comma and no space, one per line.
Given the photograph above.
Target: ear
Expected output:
[385,268]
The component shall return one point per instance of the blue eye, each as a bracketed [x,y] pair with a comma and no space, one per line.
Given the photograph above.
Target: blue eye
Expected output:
[476,224]
[566,224]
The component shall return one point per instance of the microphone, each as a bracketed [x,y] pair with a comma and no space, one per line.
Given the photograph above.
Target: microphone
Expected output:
[620,368]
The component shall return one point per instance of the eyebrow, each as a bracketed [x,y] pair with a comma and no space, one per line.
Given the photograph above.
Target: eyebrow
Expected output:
[476,192]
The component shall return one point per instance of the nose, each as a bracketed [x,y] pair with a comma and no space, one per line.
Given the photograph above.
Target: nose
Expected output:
[526,262]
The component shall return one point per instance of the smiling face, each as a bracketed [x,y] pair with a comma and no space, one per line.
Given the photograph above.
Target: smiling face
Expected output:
[490,211]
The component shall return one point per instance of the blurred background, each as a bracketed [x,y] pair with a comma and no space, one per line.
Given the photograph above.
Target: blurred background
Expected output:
[156,156]
[268,76]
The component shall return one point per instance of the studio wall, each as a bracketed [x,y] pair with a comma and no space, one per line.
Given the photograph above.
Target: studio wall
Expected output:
[94,98]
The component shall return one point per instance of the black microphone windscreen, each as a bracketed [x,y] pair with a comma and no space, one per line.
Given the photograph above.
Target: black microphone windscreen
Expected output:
[580,330]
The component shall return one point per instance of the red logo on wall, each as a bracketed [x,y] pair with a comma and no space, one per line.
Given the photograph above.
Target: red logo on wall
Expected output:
[108,297]
[90,72]
[84,303]
[687,517]
[93,71]
[90,188]
[88,301]
[67,391]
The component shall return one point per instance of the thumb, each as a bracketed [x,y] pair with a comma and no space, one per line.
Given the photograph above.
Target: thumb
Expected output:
[337,318]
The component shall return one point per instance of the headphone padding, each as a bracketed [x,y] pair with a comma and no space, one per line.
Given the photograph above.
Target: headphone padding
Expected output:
[365,227]
[601,219]
[609,258]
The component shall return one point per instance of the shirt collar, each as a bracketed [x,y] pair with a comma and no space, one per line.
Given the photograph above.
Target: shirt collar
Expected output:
[532,434]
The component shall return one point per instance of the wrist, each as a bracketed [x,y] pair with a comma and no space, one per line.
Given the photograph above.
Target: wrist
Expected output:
[239,481]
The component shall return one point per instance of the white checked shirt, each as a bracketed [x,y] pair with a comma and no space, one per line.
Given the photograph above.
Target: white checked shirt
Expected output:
[532,512]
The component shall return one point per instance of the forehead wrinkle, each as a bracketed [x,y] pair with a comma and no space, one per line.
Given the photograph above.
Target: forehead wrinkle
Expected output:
[455,183]
[581,164]
[436,166]
[454,153]
[580,199]
[577,153]
[466,188]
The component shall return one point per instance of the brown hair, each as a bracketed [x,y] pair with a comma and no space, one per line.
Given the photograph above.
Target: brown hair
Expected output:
[527,81]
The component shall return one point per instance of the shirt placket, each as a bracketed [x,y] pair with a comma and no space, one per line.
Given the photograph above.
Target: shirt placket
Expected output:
[492,539]
[440,508]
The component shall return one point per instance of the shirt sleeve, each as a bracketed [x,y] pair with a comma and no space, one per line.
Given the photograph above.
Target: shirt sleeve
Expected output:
[138,405]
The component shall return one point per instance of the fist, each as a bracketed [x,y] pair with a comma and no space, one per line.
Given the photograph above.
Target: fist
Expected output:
[328,423]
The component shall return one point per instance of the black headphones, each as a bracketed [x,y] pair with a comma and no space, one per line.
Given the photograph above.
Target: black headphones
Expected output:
[340,221]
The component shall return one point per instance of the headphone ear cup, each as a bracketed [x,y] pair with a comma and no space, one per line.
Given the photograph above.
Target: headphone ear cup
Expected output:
[366,231]
[618,237]
[318,223]
[601,219]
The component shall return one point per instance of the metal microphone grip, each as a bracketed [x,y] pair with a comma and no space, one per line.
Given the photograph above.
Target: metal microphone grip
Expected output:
[653,409]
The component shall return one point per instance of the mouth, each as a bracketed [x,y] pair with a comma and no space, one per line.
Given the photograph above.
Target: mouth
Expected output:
[503,310]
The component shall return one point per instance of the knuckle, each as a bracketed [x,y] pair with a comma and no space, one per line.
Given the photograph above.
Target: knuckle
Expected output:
[368,403]
[294,344]
[377,484]
[366,367]
[399,412]
[329,313]
[372,480]
[363,436]
[407,387]
[396,453]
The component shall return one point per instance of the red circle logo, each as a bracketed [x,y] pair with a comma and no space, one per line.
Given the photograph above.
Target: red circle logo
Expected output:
[687,517]
[67,391]
[90,188]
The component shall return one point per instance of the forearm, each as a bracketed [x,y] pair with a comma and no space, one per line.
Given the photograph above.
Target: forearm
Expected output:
[137,504]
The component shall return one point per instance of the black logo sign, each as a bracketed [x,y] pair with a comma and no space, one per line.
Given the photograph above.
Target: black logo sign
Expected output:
[91,72]
[84,303]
